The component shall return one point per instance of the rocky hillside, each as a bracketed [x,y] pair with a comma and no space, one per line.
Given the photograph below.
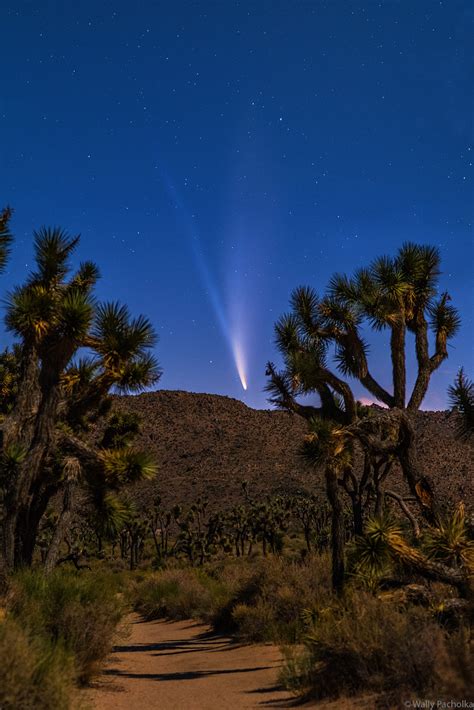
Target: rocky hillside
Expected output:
[208,444]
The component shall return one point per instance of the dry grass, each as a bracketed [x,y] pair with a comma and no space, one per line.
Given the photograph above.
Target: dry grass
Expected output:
[34,673]
[78,611]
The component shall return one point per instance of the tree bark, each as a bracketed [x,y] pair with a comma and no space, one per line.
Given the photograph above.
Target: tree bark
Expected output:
[19,498]
[357,513]
[397,346]
[337,529]
[29,521]
[61,527]
[431,570]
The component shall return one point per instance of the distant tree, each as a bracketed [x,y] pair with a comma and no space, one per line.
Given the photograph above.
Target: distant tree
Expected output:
[461,395]
[398,295]
[99,493]
[49,400]
[313,517]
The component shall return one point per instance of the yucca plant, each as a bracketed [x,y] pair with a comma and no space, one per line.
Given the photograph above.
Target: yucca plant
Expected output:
[450,541]
[370,557]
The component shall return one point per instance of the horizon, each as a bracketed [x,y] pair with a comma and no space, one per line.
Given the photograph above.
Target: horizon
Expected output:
[363,400]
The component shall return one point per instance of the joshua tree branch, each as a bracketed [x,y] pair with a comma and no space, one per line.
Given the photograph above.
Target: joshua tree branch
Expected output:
[372,386]
[436,571]
[343,389]
[352,341]
[426,364]
[406,510]
[86,454]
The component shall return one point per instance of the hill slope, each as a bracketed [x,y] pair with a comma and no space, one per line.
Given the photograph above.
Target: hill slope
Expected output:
[208,444]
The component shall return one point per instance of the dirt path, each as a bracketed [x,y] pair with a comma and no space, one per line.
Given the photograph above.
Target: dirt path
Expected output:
[181,665]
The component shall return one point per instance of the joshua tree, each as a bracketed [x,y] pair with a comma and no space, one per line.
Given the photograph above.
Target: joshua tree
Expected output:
[100,495]
[51,399]
[393,294]
[313,517]
[461,395]
[326,445]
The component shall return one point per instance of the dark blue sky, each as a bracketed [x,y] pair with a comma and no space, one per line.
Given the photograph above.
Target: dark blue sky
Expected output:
[214,155]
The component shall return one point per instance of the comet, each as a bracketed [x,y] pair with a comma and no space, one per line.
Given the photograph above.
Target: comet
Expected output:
[231,334]
[232,338]
[240,364]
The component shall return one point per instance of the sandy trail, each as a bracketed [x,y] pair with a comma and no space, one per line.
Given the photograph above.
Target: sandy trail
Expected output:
[181,665]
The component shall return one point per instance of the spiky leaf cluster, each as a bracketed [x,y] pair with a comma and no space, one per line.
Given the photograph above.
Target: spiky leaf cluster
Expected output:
[393,293]
[450,540]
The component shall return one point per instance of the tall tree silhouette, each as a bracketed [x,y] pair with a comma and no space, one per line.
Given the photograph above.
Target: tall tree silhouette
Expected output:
[323,342]
[50,398]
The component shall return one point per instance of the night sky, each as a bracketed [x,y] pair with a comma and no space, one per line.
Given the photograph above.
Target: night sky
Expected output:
[214,155]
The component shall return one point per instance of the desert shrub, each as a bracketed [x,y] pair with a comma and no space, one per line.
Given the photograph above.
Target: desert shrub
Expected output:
[255,600]
[178,594]
[455,665]
[77,610]
[34,673]
[254,623]
[364,644]
[266,600]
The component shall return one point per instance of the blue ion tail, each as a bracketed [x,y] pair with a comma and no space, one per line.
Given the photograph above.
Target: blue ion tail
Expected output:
[231,338]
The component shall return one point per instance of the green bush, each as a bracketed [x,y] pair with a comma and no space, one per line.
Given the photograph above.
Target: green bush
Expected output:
[364,644]
[34,674]
[77,610]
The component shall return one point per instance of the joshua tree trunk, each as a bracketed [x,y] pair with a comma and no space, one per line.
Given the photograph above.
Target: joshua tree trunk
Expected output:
[379,500]
[357,512]
[20,499]
[61,527]
[19,425]
[397,345]
[432,570]
[406,510]
[158,546]
[421,486]
[381,470]
[337,529]
[9,525]
[28,524]
[356,489]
